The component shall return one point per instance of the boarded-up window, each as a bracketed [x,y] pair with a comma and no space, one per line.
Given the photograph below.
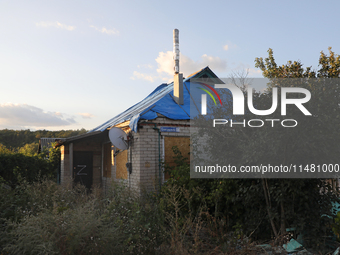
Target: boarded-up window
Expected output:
[107,161]
[182,143]
[121,160]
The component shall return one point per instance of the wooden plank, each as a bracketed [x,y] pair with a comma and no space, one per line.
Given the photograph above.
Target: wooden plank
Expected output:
[183,144]
[107,160]
[121,160]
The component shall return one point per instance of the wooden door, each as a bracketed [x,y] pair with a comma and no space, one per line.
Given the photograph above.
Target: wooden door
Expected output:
[83,168]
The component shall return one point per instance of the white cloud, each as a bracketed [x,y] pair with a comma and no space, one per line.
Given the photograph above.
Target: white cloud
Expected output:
[23,115]
[104,30]
[142,76]
[148,66]
[86,115]
[165,66]
[187,65]
[55,24]
[230,46]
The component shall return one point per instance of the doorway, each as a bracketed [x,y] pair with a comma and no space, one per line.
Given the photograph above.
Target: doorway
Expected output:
[83,168]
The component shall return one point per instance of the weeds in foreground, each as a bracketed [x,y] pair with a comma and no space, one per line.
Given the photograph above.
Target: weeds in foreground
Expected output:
[54,220]
[50,219]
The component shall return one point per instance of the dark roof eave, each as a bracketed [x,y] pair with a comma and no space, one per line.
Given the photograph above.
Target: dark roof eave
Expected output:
[79,137]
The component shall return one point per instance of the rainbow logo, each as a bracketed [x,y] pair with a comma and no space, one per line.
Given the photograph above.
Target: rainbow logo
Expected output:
[209,93]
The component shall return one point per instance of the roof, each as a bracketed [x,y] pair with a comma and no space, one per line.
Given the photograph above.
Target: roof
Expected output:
[160,101]
[98,135]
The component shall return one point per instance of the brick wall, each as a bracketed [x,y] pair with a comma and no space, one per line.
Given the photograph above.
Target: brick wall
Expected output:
[65,176]
[145,156]
[145,153]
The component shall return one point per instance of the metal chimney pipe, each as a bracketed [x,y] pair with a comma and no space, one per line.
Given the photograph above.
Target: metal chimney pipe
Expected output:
[176,50]
[178,77]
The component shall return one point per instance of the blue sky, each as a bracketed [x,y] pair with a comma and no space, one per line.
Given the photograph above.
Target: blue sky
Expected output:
[76,64]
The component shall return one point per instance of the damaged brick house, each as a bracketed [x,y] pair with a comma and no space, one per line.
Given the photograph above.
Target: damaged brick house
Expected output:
[153,126]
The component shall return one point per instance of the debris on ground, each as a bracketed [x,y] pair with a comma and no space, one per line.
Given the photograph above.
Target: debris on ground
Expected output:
[337,251]
[292,246]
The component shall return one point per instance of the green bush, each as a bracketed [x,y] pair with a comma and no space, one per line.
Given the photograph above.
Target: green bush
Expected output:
[54,220]
[16,167]
[298,203]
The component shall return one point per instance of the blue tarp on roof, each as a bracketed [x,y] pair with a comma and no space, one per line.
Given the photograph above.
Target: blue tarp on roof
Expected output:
[159,101]
[167,107]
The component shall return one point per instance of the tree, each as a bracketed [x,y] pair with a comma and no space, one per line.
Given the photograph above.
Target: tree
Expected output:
[14,139]
[315,140]
[29,149]
[319,139]
[329,67]
[4,150]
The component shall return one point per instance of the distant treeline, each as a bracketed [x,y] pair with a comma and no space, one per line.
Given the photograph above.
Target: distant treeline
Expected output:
[18,138]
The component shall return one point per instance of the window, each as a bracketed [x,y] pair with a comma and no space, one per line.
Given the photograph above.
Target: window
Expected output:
[183,144]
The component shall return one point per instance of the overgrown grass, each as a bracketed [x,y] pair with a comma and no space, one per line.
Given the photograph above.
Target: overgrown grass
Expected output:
[46,218]
[52,220]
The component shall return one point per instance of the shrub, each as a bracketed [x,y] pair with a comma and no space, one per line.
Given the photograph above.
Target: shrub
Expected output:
[298,203]
[54,220]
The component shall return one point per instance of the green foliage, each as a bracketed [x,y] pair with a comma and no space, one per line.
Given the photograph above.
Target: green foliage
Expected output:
[219,208]
[233,202]
[46,218]
[14,139]
[298,202]
[11,202]
[265,208]
[140,220]
[55,220]
[4,149]
[329,67]
[30,149]
[293,69]
[220,196]
[336,226]
[15,167]
[19,158]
